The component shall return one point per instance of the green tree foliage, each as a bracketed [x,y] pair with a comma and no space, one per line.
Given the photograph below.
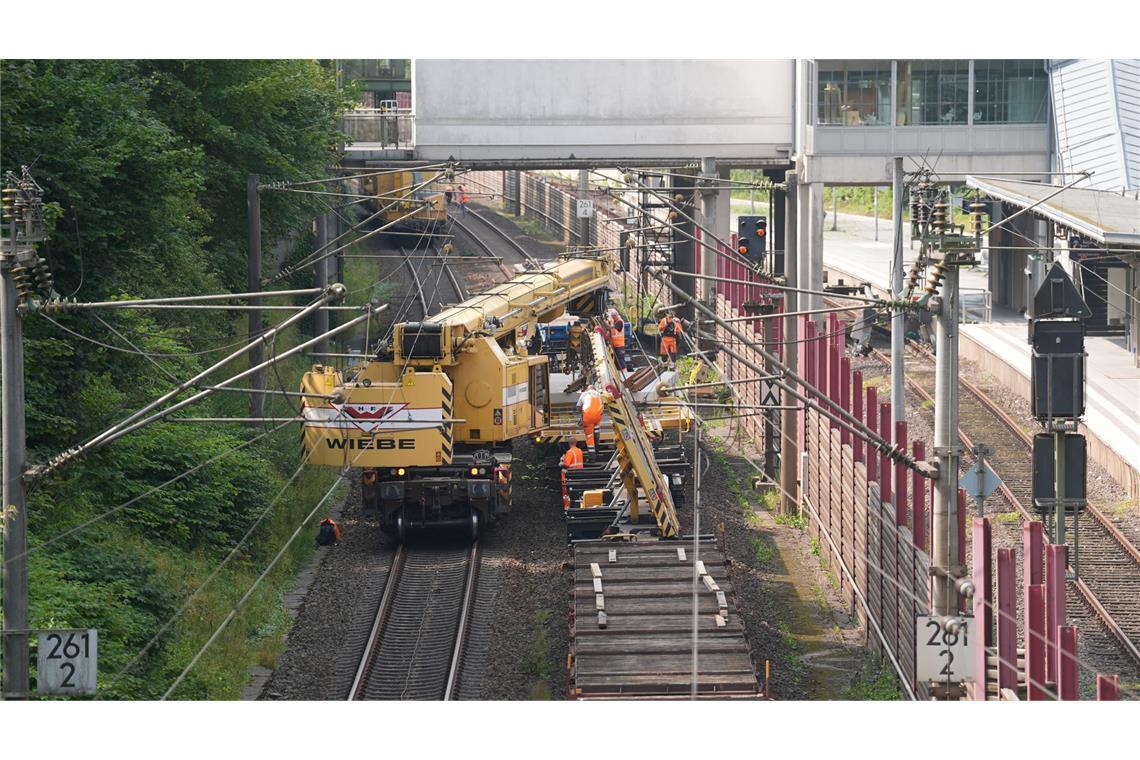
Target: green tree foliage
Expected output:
[250,117]
[144,166]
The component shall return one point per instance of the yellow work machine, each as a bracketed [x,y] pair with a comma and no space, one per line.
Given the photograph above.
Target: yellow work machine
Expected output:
[409,200]
[431,418]
[642,478]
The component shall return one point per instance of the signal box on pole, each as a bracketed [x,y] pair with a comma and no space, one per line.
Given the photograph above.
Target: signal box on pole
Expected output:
[752,237]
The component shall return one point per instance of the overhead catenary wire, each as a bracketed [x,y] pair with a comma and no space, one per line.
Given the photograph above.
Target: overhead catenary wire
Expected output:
[816,516]
[150,492]
[91,441]
[134,423]
[322,253]
[120,349]
[892,526]
[837,414]
[139,351]
[724,250]
[883,573]
[892,655]
[377,173]
[233,552]
[249,592]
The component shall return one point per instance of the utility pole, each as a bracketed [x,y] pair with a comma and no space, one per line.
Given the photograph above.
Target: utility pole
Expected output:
[789,418]
[752,193]
[584,195]
[769,337]
[22,207]
[898,325]
[322,316]
[834,208]
[253,215]
[708,213]
[945,538]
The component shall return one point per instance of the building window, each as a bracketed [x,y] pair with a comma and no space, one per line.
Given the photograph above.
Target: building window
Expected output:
[933,92]
[1010,92]
[854,93]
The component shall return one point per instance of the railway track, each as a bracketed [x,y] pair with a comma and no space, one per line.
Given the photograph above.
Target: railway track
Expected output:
[417,283]
[514,245]
[1108,565]
[426,288]
[416,643]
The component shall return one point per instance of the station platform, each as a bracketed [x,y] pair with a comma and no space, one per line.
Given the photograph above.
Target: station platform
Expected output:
[1001,348]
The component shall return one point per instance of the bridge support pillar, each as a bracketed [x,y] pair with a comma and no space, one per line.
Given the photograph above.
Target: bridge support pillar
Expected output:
[809,249]
[716,217]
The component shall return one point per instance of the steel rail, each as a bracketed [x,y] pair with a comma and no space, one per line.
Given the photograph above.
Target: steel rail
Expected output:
[365,665]
[1014,428]
[416,281]
[460,291]
[518,247]
[461,629]
[1082,589]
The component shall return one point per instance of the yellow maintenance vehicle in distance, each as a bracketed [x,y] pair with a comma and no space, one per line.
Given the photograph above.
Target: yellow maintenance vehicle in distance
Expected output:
[407,199]
[430,419]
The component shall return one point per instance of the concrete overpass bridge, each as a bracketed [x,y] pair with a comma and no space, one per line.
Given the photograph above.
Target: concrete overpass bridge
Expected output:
[837,122]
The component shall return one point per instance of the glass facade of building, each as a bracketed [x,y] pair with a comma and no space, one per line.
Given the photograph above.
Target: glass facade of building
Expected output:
[380,79]
[930,93]
[933,92]
[1010,92]
[854,93]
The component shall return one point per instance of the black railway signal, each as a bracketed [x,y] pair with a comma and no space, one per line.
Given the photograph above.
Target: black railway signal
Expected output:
[752,237]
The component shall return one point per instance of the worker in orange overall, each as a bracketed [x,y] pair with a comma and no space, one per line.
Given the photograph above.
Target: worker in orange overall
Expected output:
[669,329]
[617,338]
[590,414]
[571,460]
[328,533]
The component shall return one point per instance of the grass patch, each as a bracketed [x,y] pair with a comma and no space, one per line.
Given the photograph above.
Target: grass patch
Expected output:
[536,662]
[762,550]
[530,227]
[768,499]
[815,547]
[926,404]
[792,521]
[1123,506]
[873,683]
[1005,518]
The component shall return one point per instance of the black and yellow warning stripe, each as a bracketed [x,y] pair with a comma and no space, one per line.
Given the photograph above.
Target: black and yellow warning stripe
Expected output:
[446,431]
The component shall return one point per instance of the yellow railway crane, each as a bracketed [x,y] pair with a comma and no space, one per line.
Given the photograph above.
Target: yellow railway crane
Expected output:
[640,474]
[431,418]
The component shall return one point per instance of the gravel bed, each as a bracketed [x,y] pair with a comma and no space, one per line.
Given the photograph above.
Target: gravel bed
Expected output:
[793,614]
[542,250]
[530,633]
[344,586]
[1103,490]
[1096,648]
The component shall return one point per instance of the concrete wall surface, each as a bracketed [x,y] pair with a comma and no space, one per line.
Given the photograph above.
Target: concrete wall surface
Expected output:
[862,155]
[535,109]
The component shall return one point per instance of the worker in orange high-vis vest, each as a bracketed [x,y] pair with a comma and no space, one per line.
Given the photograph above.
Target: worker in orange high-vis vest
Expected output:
[590,414]
[573,459]
[669,330]
[617,338]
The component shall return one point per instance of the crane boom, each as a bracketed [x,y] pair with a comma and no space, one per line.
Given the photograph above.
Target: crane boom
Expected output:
[635,451]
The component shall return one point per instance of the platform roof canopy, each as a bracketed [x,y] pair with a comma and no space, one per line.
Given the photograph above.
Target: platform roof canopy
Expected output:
[1107,217]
